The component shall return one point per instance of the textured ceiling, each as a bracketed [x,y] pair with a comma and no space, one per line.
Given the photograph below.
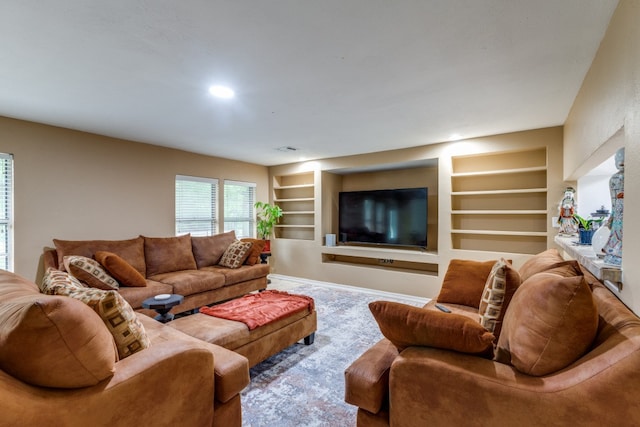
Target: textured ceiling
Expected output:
[331,78]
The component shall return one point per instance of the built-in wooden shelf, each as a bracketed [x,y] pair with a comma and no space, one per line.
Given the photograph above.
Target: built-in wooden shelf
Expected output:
[499,201]
[295,194]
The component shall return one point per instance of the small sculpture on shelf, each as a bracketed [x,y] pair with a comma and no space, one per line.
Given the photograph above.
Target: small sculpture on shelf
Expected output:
[567,209]
[613,247]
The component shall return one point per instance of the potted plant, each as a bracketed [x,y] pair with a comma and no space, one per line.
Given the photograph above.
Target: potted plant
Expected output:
[586,228]
[268,216]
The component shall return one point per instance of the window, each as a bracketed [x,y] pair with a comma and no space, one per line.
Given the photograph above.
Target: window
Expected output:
[239,214]
[6,211]
[196,211]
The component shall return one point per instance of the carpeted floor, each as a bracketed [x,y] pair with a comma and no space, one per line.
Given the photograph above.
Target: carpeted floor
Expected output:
[304,385]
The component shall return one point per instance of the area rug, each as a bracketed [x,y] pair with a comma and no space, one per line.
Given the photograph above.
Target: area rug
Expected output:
[304,385]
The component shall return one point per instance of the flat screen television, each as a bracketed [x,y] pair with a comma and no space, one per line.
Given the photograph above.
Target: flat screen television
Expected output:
[383,217]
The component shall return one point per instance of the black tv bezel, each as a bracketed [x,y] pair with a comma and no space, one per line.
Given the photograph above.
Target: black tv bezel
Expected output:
[340,242]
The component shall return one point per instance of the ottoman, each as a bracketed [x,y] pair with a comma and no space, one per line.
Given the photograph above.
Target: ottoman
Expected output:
[261,341]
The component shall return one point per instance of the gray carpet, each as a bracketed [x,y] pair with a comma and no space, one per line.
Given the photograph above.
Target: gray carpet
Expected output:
[304,385]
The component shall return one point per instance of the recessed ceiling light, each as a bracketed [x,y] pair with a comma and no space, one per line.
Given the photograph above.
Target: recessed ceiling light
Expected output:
[222,92]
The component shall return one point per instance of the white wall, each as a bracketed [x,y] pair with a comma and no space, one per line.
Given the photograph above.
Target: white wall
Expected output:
[606,116]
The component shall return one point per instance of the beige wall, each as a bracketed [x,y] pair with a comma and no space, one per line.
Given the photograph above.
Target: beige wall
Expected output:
[75,185]
[304,258]
[606,116]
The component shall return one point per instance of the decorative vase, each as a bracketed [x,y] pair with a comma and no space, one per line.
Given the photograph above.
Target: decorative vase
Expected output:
[585,236]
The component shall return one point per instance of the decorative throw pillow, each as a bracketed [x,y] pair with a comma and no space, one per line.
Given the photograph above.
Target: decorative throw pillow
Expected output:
[51,341]
[498,291]
[539,263]
[235,254]
[120,269]
[207,250]
[257,246]
[167,254]
[90,272]
[120,319]
[551,321]
[405,325]
[464,282]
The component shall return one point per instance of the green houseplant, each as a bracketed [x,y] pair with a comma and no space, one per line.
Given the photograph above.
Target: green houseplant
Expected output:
[268,216]
[586,228]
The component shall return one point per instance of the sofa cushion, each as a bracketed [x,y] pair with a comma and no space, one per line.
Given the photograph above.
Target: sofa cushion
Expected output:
[165,254]
[51,341]
[131,250]
[188,282]
[235,255]
[90,272]
[257,246]
[539,263]
[240,274]
[208,250]
[115,312]
[120,269]
[135,295]
[464,282]
[405,325]
[498,291]
[551,321]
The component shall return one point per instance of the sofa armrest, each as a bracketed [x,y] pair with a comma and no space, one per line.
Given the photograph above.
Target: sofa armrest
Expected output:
[143,390]
[367,379]
[441,388]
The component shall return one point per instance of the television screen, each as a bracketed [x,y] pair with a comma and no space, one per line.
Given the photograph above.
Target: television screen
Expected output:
[383,217]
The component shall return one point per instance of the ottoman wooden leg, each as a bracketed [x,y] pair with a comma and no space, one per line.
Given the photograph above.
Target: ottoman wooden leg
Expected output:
[308,340]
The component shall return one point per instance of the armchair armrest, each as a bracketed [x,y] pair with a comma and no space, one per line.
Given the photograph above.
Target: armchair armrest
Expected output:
[442,388]
[169,383]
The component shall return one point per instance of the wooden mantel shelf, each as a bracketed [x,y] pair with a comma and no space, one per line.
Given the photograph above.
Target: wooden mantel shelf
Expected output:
[610,275]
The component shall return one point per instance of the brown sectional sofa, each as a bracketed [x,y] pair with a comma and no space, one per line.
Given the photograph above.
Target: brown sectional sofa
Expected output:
[182,265]
[58,365]
[426,385]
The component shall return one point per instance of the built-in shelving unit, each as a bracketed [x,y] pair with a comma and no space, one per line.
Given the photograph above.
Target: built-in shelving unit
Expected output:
[499,201]
[295,194]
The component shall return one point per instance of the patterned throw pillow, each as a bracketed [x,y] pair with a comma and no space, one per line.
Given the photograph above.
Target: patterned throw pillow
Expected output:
[235,254]
[129,334]
[498,291]
[90,272]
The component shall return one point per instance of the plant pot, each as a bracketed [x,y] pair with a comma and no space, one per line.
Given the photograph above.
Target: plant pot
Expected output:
[267,245]
[585,236]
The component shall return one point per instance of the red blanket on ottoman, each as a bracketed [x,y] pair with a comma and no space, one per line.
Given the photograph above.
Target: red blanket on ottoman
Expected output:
[256,310]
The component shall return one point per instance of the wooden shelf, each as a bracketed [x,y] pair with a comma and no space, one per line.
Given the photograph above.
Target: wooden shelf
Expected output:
[502,233]
[500,172]
[490,192]
[290,187]
[499,201]
[297,199]
[499,212]
[295,194]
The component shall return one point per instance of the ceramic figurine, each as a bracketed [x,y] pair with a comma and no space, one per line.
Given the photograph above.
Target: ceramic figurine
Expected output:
[567,208]
[613,247]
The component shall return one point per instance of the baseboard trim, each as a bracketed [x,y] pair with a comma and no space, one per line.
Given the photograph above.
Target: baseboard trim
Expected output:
[383,294]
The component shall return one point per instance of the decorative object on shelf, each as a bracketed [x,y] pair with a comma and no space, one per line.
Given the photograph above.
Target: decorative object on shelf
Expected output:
[601,213]
[268,216]
[613,247]
[567,210]
[586,228]
[599,239]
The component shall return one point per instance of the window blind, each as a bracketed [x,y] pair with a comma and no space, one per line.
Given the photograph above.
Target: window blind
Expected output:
[239,213]
[196,210]
[6,211]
